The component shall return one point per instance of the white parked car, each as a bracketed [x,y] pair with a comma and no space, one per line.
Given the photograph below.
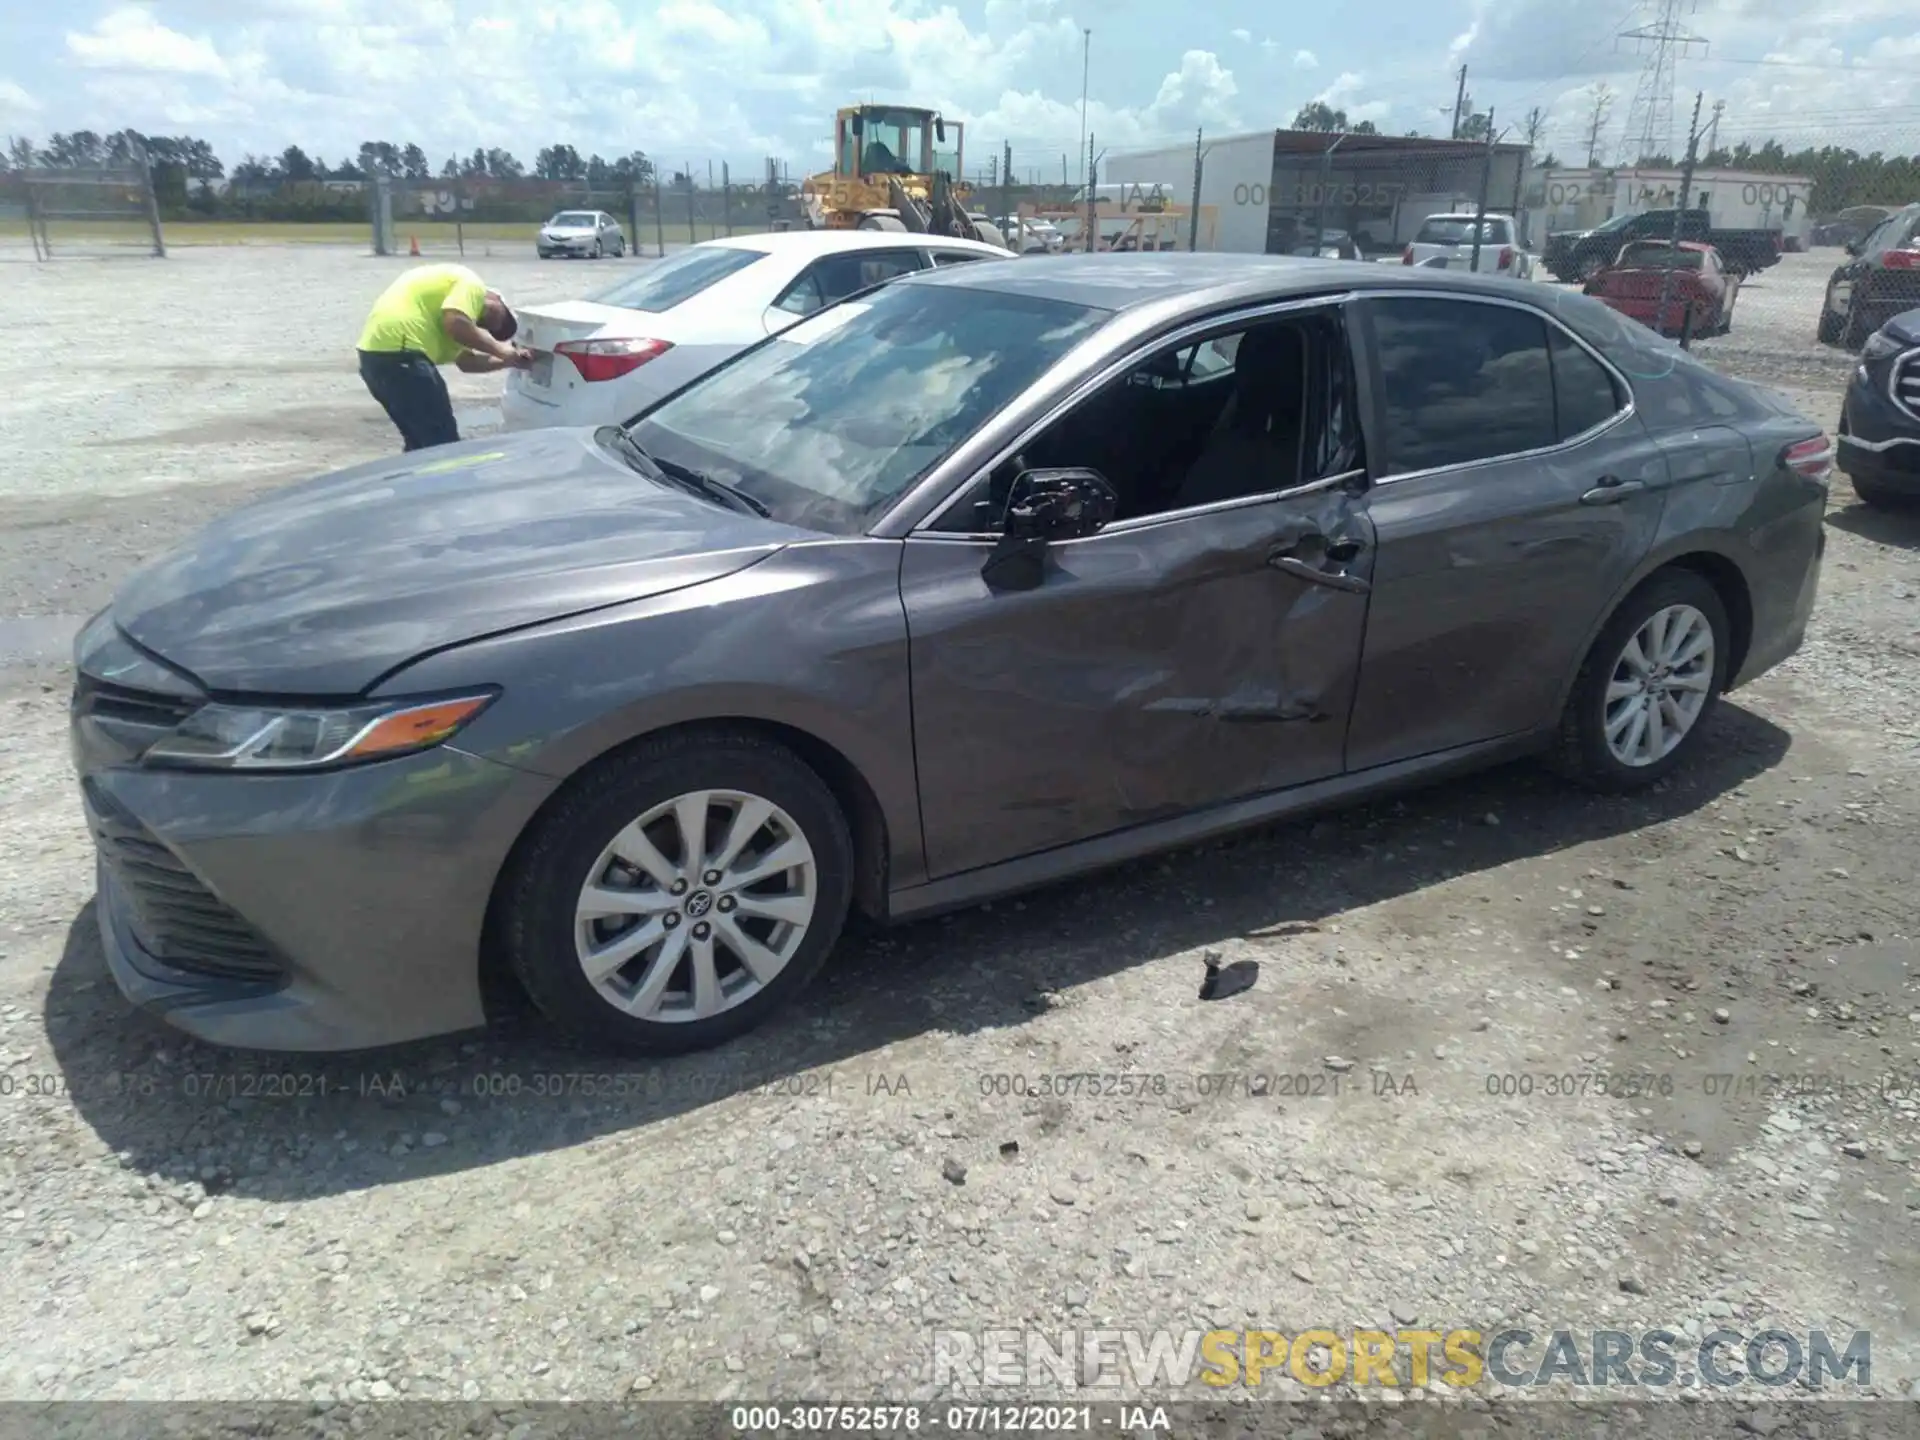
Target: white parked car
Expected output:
[1450,237]
[601,361]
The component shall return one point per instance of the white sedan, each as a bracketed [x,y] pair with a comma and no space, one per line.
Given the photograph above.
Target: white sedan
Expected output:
[602,361]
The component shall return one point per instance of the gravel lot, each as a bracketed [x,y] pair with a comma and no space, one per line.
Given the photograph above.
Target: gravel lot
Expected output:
[794,1216]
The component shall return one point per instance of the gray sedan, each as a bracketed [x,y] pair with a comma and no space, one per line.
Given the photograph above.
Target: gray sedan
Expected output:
[989,577]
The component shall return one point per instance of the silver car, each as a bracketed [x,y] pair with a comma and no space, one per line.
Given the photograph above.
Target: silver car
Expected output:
[591,233]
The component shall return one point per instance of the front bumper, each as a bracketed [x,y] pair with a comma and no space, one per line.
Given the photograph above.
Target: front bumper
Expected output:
[305,912]
[581,245]
[1879,442]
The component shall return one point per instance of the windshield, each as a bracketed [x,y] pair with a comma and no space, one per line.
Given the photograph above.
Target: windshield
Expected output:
[1618,222]
[677,279]
[833,419]
[1458,230]
[577,218]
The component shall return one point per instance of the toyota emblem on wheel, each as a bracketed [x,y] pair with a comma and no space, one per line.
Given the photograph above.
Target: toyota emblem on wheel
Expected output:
[700,904]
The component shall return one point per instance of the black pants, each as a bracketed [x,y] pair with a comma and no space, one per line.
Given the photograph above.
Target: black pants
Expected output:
[410,389]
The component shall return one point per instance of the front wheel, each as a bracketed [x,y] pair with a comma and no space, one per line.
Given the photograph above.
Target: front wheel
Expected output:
[594,253]
[1647,685]
[1589,268]
[1827,331]
[679,893]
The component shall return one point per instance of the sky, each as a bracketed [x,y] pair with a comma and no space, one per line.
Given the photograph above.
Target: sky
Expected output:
[697,81]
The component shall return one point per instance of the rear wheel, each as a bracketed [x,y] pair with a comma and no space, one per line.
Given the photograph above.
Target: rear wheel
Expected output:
[1650,681]
[690,888]
[1881,497]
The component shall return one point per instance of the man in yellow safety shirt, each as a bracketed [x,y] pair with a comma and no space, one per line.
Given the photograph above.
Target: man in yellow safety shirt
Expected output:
[431,316]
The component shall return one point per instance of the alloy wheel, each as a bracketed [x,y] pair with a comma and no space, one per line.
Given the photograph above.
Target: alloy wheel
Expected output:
[696,906]
[1659,685]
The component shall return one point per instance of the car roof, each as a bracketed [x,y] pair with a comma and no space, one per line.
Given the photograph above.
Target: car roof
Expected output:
[1127,280]
[812,243]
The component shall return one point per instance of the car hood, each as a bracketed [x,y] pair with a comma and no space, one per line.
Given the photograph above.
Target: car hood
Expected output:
[322,589]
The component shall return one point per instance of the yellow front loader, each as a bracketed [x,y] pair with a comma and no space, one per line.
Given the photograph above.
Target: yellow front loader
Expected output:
[895,167]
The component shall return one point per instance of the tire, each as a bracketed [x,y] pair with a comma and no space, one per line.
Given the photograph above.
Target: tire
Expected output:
[538,905]
[594,253]
[1827,332]
[1581,752]
[1882,497]
[1857,328]
[1588,268]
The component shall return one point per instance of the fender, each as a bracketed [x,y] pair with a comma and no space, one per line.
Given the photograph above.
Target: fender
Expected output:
[1721,544]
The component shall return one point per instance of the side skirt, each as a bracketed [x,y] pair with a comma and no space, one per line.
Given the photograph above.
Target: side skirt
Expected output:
[1030,872]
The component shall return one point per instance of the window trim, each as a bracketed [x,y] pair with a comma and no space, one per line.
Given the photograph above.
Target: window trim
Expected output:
[1371,370]
[1192,333]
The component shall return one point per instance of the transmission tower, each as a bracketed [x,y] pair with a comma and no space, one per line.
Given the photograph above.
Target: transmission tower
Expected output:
[1664,40]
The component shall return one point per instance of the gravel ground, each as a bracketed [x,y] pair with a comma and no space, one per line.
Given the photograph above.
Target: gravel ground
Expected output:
[794,1217]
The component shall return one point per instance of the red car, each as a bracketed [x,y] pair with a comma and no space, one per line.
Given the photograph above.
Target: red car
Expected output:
[1699,301]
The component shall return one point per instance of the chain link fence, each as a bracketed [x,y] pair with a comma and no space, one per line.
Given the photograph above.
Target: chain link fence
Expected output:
[70,213]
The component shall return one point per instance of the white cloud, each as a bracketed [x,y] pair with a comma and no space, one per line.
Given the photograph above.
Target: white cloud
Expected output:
[131,39]
[1305,60]
[16,101]
[1243,36]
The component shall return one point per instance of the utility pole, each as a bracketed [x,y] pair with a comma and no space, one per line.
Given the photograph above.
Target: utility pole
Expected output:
[1679,213]
[1713,126]
[1006,177]
[1597,121]
[1086,69]
[1486,179]
[1459,104]
[1193,218]
[1093,213]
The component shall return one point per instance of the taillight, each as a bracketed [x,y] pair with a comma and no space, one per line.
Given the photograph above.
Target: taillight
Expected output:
[1407,258]
[1811,458]
[610,359]
[1506,256]
[1903,259]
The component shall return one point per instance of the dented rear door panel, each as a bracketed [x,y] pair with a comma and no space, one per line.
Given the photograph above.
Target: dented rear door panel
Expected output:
[1159,667]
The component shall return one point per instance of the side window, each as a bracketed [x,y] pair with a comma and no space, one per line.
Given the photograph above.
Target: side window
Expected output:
[1584,394]
[838,276]
[1232,417]
[955,257]
[1459,381]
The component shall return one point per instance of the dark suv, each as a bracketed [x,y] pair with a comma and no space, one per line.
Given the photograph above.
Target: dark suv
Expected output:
[1881,278]
[1880,420]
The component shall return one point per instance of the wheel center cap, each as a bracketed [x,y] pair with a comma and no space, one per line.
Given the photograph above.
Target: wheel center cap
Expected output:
[699,903]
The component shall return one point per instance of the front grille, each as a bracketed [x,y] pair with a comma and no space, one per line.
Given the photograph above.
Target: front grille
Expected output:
[176,919]
[1906,383]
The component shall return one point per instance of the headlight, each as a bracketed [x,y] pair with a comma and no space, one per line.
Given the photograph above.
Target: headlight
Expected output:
[1879,346]
[240,737]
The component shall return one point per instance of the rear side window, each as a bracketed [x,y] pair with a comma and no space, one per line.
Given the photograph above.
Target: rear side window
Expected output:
[1584,394]
[677,279]
[955,257]
[838,276]
[1459,381]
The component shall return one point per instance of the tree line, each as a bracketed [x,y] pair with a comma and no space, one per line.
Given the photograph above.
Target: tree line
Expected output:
[184,167]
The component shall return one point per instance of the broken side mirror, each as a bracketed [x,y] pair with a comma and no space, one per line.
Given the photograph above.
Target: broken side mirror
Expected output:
[1049,505]
[1044,506]
[939,129]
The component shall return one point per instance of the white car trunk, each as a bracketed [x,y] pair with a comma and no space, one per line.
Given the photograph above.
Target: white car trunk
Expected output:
[544,327]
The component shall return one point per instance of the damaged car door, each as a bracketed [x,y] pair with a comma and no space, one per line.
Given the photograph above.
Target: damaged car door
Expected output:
[1106,629]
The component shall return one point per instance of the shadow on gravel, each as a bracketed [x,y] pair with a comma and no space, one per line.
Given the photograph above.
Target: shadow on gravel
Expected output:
[292,1127]
[1899,529]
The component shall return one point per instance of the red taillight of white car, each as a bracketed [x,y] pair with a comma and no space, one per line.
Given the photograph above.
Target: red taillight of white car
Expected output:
[1406,256]
[1506,257]
[610,359]
[1906,258]
[1811,458]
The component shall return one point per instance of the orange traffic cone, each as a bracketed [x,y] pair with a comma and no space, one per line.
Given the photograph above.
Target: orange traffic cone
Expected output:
[413,244]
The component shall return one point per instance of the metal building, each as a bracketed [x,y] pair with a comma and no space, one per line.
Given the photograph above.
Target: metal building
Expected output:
[1276,188]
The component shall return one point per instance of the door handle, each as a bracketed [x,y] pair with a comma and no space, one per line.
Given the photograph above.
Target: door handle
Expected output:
[1612,490]
[1312,574]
